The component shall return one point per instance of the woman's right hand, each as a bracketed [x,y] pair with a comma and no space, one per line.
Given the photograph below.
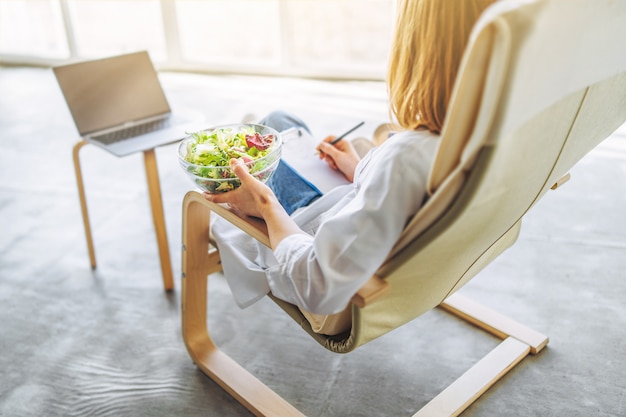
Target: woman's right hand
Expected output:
[251,198]
[341,156]
[256,199]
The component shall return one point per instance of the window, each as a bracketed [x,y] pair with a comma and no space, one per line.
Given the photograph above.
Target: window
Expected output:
[338,34]
[32,28]
[319,38]
[103,28]
[219,32]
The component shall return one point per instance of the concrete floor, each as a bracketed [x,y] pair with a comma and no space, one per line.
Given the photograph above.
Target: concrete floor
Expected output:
[82,342]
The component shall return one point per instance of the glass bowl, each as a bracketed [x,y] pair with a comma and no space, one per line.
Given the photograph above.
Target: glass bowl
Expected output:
[205,155]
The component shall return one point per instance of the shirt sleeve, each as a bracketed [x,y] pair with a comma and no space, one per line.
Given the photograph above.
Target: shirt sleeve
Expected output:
[321,273]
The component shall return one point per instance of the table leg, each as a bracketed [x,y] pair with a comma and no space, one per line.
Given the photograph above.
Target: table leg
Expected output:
[156,203]
[83,203]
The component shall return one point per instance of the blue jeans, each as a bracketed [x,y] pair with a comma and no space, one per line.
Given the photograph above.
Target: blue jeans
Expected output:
[290,188]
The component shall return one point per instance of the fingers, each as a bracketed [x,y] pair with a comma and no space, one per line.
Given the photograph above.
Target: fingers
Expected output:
[325,141]
[331,162]
[328,153]
[217,198]
[327,148]
[239,168]
[241,171]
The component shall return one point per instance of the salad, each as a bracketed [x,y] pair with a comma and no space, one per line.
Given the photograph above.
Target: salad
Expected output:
[208,154]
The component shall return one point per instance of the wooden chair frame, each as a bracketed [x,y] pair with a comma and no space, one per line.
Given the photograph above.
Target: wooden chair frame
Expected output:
[200,259]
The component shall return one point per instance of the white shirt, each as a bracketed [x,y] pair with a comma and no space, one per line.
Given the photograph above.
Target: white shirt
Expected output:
[351,230]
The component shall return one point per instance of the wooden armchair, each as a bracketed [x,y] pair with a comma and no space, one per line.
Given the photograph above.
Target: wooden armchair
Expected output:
[541,84]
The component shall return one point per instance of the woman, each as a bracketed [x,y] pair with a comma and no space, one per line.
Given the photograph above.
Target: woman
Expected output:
[323,253]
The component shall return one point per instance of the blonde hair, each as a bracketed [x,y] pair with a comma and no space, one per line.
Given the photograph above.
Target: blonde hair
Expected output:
[429,41]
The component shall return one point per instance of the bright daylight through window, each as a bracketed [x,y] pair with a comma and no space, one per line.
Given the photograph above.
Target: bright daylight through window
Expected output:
[317,38]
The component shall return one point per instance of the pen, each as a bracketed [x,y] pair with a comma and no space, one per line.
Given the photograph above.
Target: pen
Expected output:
[338,138]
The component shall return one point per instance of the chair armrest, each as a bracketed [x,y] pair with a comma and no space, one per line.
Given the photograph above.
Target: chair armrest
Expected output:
[255,227]
[370,291]
[561,181]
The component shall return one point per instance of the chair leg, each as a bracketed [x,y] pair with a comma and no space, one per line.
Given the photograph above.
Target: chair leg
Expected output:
[83,203]
[198,261]
[459,395]
[493,322]
[479,378]
[518,342]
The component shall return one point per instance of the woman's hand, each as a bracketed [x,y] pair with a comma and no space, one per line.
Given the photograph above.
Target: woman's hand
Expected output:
[254,198]
[341,156]
[251,198]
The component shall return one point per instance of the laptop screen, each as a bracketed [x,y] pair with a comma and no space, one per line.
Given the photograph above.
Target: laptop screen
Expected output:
[109,92]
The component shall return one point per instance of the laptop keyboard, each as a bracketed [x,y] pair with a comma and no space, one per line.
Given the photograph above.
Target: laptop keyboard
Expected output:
[116,136]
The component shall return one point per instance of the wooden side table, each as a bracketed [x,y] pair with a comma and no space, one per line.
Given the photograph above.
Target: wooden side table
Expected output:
[156,203]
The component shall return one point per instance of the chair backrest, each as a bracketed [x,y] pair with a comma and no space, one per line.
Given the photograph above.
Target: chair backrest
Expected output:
[541,84]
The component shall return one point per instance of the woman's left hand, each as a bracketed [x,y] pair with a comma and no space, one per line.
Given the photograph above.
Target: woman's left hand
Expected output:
[341,156]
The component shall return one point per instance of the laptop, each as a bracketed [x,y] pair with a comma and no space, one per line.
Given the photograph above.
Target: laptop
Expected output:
[118,103]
